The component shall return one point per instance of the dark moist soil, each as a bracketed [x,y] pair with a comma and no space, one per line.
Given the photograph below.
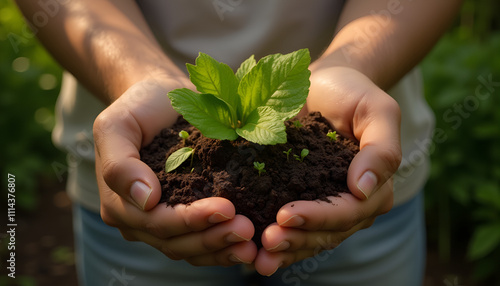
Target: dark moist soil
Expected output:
[223,168]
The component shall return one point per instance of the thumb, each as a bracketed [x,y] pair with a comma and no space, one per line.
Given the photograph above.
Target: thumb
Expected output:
[377,126]
[118,163]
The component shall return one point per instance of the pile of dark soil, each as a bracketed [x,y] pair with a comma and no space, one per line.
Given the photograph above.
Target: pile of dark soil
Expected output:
[225,168]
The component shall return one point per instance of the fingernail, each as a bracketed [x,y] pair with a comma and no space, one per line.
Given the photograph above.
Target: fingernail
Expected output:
[275,269]
[294,221]
[234,237]
[367,183]
[282,246]
[236,259]
[217,217]
[140,193]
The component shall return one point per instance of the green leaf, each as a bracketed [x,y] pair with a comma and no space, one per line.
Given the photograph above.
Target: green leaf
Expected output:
[278,81]
[304,153]
[484,240]
[177,158]
[245,67]
[213,77]
[204,111]
[263,128]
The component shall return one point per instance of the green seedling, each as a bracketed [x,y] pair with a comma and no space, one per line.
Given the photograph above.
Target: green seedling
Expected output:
[178,157]
[184,135]
[252,103]
[259,167]
[288,154]
[303,154]
[332,135]
[297,124]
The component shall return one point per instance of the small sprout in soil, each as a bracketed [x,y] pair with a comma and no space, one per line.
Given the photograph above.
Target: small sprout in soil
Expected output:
[332,135]
[259,167]
[178,157]
[303,154]
[288,154]
[184,135]
[297,124]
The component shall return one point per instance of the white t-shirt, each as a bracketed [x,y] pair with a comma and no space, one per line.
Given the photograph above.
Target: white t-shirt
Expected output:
[231,31]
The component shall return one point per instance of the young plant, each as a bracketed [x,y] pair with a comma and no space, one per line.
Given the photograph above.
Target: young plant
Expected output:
[303,154]
[253,103]
[184,135]
[288,154]
[178,157]
[297,124]
[332,135]
[259,167]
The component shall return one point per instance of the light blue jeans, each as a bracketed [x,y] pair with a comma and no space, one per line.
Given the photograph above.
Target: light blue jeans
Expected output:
[389,253]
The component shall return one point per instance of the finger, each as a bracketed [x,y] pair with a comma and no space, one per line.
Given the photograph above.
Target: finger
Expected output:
[164,222]
[377,125]
[239,253]
[239,229]
[340,214]
[122,129]
[277,239]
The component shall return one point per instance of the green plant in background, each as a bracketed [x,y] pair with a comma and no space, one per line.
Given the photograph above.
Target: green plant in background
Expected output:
[259,167]
[30,81]
[462,82]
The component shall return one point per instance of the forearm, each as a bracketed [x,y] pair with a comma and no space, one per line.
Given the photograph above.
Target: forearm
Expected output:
[384,39]
[107,45]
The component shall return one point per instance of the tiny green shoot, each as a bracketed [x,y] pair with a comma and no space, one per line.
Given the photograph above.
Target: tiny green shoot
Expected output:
[184,135]
[288,154]
[259,167]
[332,135]
[252,103]
[303,154]
[178,157]
[297,124]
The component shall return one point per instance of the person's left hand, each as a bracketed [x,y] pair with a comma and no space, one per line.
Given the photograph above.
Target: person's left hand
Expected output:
[356,108]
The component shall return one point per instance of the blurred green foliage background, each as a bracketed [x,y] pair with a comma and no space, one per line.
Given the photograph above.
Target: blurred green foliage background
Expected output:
[30,82]
[462,84]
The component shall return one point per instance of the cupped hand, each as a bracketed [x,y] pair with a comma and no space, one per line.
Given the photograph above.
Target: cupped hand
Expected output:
[358,109]
[206,232]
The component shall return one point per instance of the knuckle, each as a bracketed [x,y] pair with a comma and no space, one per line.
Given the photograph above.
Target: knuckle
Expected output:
[209,244]
[110,171]
[391,157]
[102,126]
[108,217]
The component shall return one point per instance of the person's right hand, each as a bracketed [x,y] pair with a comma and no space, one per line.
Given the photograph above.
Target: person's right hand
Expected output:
[206,232]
